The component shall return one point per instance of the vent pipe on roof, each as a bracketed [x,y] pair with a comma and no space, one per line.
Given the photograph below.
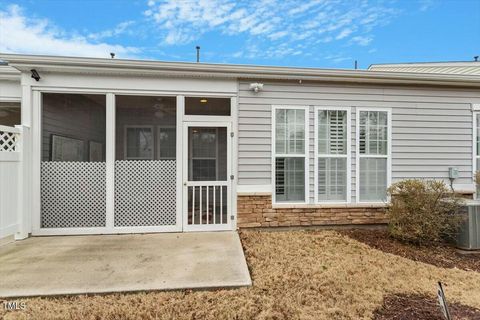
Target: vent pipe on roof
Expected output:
[198,53]
[112,54]
[475,58]
[356,64]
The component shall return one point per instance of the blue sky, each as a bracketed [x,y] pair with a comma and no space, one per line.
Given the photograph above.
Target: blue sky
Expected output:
[317,33]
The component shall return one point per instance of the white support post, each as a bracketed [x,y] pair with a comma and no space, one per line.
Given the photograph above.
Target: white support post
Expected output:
[22,229]
[25,185]
[110,160]
[179,163]
[35,158]
[233,161]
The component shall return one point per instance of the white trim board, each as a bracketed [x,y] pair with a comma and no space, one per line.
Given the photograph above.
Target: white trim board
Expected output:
[244,189]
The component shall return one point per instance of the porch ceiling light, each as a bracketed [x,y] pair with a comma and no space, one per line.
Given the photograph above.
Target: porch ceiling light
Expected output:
[203,100]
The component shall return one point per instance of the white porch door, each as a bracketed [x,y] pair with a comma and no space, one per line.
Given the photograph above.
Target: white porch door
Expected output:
[207,201]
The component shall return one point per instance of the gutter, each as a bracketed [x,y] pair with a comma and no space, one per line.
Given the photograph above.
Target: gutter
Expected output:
[227,71]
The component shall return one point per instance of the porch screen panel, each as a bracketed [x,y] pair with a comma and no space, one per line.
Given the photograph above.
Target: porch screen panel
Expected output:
[145,161]
[73,175]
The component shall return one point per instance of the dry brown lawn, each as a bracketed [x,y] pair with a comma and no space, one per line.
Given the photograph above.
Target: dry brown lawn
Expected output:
[296,275]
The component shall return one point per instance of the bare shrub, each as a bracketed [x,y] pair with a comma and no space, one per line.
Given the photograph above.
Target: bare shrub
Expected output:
[423,211]
[477,181]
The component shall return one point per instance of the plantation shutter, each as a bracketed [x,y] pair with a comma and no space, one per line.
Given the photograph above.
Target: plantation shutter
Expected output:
[332,155]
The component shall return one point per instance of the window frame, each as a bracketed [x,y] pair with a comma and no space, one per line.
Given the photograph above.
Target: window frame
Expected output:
[125,142]
[348,154]
[475,157]
[358,156]
[305,155]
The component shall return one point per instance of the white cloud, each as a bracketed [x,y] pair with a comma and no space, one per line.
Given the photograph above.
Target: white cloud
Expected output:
[337,58]
[21,34]
[362,40]
[426,4]
[304,7]
[270,23]
[119,29]
[344,33]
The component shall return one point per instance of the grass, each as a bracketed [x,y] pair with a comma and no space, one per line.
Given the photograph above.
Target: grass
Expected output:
[296,275]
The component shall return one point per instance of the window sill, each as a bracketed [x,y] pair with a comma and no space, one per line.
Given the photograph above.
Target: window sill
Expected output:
[328,205]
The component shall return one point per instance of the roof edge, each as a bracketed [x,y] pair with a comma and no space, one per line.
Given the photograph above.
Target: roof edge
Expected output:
[211,70]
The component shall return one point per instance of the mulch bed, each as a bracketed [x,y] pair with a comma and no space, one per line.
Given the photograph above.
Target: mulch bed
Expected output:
[409,307]
[440,255]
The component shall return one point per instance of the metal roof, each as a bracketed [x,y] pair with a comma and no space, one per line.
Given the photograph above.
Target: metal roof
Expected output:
[463,68]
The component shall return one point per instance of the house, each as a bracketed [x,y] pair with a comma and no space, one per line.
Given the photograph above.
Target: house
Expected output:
[124,146]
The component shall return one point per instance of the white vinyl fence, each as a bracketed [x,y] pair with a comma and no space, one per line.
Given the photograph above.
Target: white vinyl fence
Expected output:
[10,179]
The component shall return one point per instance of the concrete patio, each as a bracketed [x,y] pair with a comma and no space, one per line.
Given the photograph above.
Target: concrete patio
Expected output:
[42,266]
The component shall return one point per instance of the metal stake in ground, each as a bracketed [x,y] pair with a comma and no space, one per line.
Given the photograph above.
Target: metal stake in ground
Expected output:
[443,301]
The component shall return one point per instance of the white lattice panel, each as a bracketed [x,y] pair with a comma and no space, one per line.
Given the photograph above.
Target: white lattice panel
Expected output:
[73,194]
[145,193]
[8,141]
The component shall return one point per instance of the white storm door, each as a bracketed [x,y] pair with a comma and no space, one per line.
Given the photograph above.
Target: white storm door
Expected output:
[207,201]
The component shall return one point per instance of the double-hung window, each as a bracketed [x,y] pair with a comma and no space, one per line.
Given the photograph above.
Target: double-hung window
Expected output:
[373,154]
[332,154]
[290,148]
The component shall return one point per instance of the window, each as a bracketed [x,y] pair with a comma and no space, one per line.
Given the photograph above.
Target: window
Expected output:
[166,137]
[206,106]
[332,150]
[373,154]
[289,153]
[477,140]
[139,142]
[9,113]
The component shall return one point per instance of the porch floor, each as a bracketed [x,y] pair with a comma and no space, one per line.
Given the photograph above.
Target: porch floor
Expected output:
[41,266]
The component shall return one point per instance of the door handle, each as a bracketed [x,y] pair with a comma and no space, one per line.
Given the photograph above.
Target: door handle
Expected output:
[185,184]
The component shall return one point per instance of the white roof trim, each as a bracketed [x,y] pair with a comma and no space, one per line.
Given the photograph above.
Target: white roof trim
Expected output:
[9,73]
[209,70]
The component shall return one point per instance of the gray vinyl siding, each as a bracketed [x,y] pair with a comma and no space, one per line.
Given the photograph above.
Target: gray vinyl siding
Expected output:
[431,127]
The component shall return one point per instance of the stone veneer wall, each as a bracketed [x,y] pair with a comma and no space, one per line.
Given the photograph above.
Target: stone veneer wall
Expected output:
[257,211]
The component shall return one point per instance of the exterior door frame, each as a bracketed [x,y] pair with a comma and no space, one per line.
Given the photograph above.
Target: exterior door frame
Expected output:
[230,225]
